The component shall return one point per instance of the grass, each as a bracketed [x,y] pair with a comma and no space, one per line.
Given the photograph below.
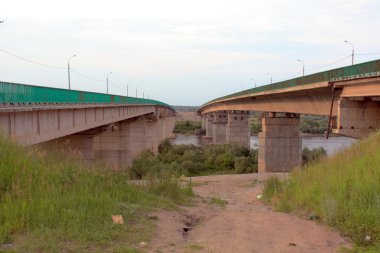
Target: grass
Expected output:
[344,191]
[218,201]
[50,203]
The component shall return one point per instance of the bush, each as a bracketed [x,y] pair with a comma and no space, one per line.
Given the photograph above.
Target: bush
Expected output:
[245,165]
[165,146]
[145,163]
[312,156]
[187,127]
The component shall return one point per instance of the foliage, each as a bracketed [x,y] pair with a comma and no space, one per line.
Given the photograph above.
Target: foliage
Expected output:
[312,156]
[255,125]
[187,127]
[344,191]
[313,124]
[191,160]
[52,203]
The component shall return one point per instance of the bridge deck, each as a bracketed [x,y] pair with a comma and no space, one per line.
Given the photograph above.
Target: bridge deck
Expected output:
[362,70]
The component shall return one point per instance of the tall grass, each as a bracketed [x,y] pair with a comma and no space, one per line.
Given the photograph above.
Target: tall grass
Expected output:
[49,203]
[344,191]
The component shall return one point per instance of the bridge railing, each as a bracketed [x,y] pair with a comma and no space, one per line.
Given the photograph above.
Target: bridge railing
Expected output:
[365,69]
[15,93]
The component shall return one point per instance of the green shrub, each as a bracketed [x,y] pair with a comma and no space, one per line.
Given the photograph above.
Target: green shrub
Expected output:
[187,127]
[145,163]
[164,146]
[245,164]
[312,156]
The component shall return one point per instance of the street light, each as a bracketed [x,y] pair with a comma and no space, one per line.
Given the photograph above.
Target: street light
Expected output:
[128,87]
[270,77]
[68,69]
[253,79]
[353,51]
[303,67]
[107,80]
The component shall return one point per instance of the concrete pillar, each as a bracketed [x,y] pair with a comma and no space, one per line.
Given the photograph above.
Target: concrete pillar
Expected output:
[219,127]
[237,129]
[204,118]
[209,125]
[111,147]
[357,118]
[280,144]
[155,134]
[138,137]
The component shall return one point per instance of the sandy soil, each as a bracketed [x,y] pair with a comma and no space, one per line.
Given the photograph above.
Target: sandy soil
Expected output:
[243,225]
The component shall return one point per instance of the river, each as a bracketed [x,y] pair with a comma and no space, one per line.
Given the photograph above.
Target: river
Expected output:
[332,145]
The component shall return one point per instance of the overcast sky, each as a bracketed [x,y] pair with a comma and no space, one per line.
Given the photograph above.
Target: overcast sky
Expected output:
[181,52]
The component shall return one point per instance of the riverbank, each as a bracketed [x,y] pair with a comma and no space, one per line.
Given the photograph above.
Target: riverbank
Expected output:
[332,145]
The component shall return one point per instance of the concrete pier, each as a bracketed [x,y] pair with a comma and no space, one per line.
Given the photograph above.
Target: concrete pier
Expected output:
[237,129]
[219,127]
[279,143]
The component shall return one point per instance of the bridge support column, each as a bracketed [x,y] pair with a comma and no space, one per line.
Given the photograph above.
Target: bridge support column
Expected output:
[279,143]
[357,117]
[219,125]
[207,139]
[111,147]
[204,119]
[237,129]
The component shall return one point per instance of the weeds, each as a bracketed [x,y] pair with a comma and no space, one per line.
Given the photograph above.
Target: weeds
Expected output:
[344,191]
[50,203]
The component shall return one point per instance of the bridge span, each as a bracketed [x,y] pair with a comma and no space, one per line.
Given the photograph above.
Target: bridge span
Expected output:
[350,96]
[106,128]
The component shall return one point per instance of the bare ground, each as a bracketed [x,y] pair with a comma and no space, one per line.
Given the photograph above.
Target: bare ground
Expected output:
[242,225]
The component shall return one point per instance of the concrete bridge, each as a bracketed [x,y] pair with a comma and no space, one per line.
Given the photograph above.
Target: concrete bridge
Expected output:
[350,96]
[106,128]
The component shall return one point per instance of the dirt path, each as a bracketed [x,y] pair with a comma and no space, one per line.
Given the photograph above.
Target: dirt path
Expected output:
[243,225]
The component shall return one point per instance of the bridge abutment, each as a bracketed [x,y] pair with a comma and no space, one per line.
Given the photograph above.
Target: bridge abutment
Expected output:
[279,143]
[237,129]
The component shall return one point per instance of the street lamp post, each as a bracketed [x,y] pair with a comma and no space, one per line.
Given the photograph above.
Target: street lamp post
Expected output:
[253,79]
[128,88]
[68,69]
[270,77]
[353,51]
[303,67]
[107,80]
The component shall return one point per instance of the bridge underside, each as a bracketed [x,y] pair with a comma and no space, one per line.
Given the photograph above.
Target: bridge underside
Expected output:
[352,105]
[111,134]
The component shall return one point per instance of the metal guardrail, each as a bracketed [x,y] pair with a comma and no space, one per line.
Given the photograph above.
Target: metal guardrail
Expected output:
[366,69]
[15,93]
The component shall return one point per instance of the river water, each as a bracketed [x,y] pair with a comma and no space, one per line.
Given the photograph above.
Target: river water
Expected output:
[332,145]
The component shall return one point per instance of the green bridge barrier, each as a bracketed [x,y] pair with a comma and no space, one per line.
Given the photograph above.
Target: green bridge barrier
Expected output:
[15,93]
[366,69]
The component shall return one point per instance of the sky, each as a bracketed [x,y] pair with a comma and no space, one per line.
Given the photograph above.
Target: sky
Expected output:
[181,52]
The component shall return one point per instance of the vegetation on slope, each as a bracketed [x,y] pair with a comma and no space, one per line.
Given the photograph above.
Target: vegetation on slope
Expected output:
[49,203]
[342,191]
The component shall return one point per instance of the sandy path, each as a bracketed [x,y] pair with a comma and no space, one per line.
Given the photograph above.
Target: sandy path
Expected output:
[244,225]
